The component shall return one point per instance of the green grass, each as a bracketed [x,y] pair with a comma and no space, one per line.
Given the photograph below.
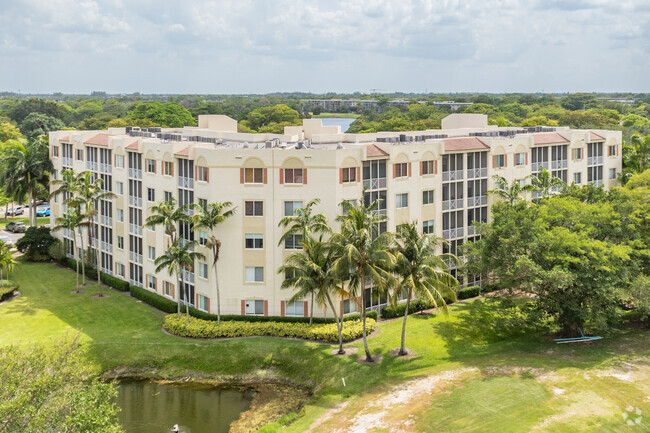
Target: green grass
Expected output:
[340,115]
[479,334]
[4,221]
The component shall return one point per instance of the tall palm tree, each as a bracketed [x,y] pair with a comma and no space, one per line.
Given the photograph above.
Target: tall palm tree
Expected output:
[311,271]
[72,220]
[510,192]
[544,183]
[24,170]
[304,224]
[178,258]
[364,254]
[7,260]
[422,272]
[209,218]
[165,213]
[67,184]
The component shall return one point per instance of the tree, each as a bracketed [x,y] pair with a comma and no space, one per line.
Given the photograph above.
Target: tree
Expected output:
[9,132]
[37,124]
[41,106]
[539,121]
[422,272]
[71,220]
[166,214]
[579,101]
[544,183]
[278,114]
[36,243]
[167,115]
[304,225]
[179,257]
[364,254]
[7,260]
[209,218]
[636,154]
[510,192]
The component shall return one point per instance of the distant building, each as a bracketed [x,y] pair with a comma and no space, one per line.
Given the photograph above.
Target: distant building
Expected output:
[334,105]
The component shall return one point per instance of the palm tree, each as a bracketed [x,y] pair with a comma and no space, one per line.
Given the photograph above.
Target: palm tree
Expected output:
[421,271]
[178,258]
[7,260]
[510,192]
[311,271]
[544,183]
[166,214]
[24,169]
[72,220]
[363,254]
[303,224]
[67,184]
[209,218]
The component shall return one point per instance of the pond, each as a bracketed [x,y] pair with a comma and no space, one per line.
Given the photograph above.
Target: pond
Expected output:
[343,122]
[153,407]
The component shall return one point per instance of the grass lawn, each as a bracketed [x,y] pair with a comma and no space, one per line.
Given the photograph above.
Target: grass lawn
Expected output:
[482,369]
[341,115]
[41,220]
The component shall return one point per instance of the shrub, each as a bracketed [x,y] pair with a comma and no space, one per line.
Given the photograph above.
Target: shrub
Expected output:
[116,283]
[229,329]
[57,250]
[35,244]
[109,280]
[390,312]
[469,292]
[7,291]
[160,302]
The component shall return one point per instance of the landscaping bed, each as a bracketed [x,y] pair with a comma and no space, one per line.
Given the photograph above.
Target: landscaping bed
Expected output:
[7,292]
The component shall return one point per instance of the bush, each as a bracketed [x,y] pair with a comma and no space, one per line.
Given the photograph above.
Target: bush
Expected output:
[469,292]
[7,291]
[160,302]
[116,283]
[35,244]
[56,250]
[390,312]
[230,329]
[109,280]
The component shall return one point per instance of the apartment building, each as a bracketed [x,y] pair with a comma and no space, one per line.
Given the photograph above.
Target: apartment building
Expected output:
[438,177]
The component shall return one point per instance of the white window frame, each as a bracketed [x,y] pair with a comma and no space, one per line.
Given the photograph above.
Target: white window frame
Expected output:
[120,242]
[167,288]
[428,227]
[254,202]
[203,238]
[151,195]
[294,309]
[151,165]
[151,253]
[349,175]
[292,242]
[252,274]
[253,173]
[203,300]
[499,161]
[292,203]
[612,173]
[428,167]
[294,176]
[253,304]
[201,173]
[120,215]
[401,169]
[151,280]
[520,159]
[428,197]
[119,188]
[347,305]
[577,153]
[120,269]
[256,241]
[402,200]
[615,148]
[119,161]
[577,178]
[203,267]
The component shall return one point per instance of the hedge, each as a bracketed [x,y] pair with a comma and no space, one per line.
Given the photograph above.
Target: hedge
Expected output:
[7,292]
[390,312]
[109,280]
[469,292]
[229,329]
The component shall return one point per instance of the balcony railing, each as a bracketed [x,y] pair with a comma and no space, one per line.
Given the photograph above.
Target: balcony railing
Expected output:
[453,233]
[186,182]
[474,173]
[452,204]
[68,233]
[106,220]
[135,173]
[107,247]
[135,229]
[135,201]
[378,183]
[188,276]
[537,166]
[91,165]
[597,182]
[106,270]
[560,164]
[471,231]
[383,212]
[481,200]
[135,257]
[105,168]
[595,160]
[135,283]
[67,162]
[448,176]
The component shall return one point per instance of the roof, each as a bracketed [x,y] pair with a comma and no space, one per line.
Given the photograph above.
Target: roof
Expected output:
[133,146]
[549,138]
[464,143]
[98,140]
[373,150]
[595,137]
[183,152]
[65,139]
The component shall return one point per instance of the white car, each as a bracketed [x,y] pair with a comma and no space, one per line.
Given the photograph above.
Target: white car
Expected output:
[6,240]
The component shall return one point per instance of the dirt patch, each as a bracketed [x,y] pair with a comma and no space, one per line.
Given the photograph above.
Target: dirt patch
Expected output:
[102,296]
[77,292]
[375,360]
[347,351]
[409,353]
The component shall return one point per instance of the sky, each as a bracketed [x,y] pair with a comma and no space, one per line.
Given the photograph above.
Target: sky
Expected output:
[264,46]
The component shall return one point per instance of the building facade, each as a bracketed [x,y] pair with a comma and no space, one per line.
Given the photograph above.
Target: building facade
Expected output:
[439,178]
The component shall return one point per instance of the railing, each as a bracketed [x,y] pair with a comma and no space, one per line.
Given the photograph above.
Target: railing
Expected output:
[481,200]
[595,160]
[471,231]
[105,168]
[185,182]
[378,183]
[135,201]
[380,212]
[135,283]
[93,243]
[188,276]
[135,173]
[452,175]
[135,257]
[452,204]
[68,233]
[135,229]
[107,247]
[106,220]
[473,173]
[557,165]
[597,182]
[537,166]
[67,162]
[453,233]
[106,271]
[91,165]
[183,242]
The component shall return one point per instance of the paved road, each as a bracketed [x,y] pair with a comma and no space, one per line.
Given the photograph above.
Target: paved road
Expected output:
[13,236]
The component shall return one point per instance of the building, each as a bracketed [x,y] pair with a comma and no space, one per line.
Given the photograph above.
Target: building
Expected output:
[334,105]
[438,177]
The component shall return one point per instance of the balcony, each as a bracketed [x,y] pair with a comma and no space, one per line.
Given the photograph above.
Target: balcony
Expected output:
[188,276]
[135,257]
[595,160]
[106,271]
[105,168]
[471,231]
[68,233]
[91,165]
[598,182]
[135,230]
[135,201]
[480,200]
[560,164]
[453,233]
[135,173]
[106,220]
[66,162]
[383,212]
[537,166]
[107,247]
[448,176]
[452,204]
[475,173]
[135,283]
[186,182]
[378,183]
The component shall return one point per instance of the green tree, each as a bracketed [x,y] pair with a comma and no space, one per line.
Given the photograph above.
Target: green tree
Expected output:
[510,192]
[421,271]
[9,132]
[579,101]
[636,154]
[544,183]
[7,260]
[167,115]
[72,220]
[166,214]
[36,243]
[37,124]
[539,121]
[209,218]
[278,114]
[24,108]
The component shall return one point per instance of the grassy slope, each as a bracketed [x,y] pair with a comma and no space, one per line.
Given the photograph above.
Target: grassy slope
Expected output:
[123,332]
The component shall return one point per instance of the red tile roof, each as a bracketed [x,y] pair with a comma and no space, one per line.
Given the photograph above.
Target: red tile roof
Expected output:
[464,143]
[183,152]
[98,140]
[65,139]
[133,146]
[549,138]
[595,137]
[373,150]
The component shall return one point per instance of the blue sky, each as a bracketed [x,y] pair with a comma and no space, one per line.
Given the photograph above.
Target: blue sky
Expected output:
[248,46]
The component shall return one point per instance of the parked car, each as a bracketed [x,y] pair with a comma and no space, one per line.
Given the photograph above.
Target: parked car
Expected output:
[43,211]
[6,240]
[18,210]
[16,227]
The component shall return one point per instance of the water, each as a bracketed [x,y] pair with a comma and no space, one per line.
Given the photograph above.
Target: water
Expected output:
[150,407]
[343,122]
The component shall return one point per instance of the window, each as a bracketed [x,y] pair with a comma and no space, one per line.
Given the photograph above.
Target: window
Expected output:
[350,204]
[151,194]
[253,175]
[427,197]
[348,174]
[522,182]
[613,150]
[120,242]
[120,269]
[203,238]
[168,168]
[254,208]
[167,288]
[428,167]
[151,282]
[290,207]
[254,308]
[80,155]
[254,274]
[55,151]
[499,161]
[119,161]
[577,154]
[152,253]
[577,178]
[254,241]
[203,270]
[293,175]
[401,200]
[204,303]
[612,173]
[428,227]
[203,203]
[120,216]
[350,306]
[119,187]
[201,173]
[520,158]
[293,242]
[295,308]
[168,195]
[151,165]
[401,169]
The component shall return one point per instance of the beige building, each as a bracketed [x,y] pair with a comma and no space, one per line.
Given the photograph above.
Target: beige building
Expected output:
[438,177]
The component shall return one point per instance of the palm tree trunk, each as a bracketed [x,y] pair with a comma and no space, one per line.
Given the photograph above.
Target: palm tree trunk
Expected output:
[216,279]
[311,313]
[32,212]
[178,303]
[81,258]
[74,241]
[339,326]
[187,300]
[402,349]
[363,318]
[97,253]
